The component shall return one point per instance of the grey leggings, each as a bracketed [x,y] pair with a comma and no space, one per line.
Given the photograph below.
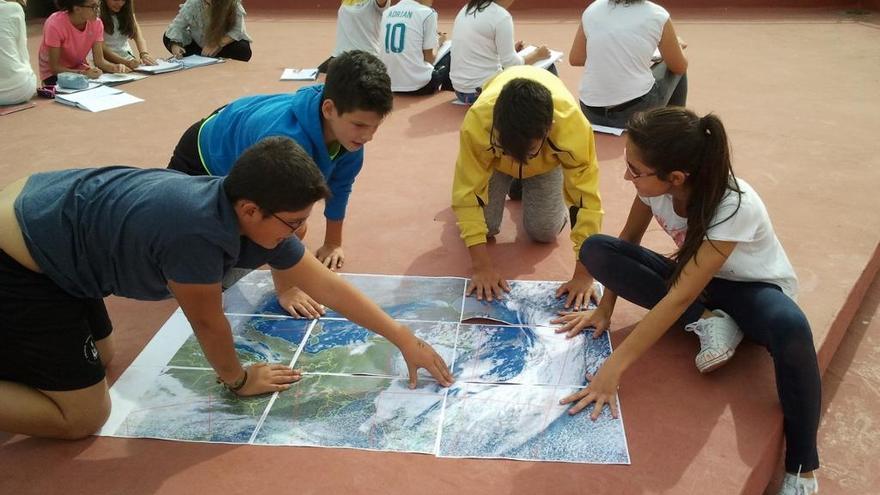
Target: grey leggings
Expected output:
[544,212]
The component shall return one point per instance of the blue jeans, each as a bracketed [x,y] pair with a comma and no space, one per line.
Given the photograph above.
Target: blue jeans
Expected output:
[468,98]
[669,90]
[763,312]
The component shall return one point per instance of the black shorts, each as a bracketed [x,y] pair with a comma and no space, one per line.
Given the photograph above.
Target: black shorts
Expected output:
[47,336]
[186,157]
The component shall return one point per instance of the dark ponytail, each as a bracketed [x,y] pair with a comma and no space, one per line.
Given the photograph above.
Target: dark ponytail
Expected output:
[674,139]
[474,6]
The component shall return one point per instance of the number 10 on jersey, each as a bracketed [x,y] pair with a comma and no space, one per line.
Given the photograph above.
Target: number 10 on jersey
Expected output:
[394,35]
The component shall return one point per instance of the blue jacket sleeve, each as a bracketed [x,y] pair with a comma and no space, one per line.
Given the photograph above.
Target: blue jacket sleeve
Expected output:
[340,182]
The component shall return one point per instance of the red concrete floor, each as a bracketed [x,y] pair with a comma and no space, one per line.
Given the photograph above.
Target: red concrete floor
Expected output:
[849,436]
[798,90]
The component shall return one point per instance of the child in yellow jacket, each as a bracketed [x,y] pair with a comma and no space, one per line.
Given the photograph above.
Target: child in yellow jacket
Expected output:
[526,125]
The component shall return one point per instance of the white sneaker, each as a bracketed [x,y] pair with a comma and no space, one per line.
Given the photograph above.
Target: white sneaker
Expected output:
[719,336]
[793,484]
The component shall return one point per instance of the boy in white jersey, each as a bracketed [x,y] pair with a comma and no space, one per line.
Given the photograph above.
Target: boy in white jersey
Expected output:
[357,27]
[409,31]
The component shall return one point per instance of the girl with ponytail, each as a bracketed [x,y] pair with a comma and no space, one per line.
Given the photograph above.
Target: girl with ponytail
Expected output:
[730,275]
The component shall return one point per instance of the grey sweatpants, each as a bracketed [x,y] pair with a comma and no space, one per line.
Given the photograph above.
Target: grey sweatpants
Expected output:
[544,212]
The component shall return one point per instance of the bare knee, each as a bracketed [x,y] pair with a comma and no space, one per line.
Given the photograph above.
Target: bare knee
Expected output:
[80,425]
[80,412]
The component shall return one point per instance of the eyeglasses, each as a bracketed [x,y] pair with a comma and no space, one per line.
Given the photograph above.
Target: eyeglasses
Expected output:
[293,226]
[632,171]
[635,175]
[495,144]
[96,7]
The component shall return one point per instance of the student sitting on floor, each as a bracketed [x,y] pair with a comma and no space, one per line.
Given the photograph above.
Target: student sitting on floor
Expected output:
[357,28]
[120,26]
[68,37]
[70,238]
[332,122]
[526,124]
[483,42]
[212,28]
[17,80]
[411,37]
[616,41]
[730,275]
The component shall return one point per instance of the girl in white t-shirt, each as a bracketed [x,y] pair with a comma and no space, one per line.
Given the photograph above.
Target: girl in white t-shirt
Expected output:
[411,38]
[483,45]
[120,26]
[18,83]
[357,28]
[616,43]
[729,277]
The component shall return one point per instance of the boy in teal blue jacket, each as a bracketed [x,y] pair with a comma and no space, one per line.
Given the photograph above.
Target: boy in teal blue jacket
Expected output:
[332,122]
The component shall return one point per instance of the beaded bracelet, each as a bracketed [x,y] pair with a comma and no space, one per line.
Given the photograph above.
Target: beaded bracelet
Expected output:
[235,387]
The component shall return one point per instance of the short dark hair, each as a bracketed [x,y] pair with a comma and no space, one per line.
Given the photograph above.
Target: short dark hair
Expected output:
[357,80]
[523,113]
[68,5]
[276,174]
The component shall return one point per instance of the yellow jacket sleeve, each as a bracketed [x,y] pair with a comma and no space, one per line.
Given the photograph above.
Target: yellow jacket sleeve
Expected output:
[470,185]
[572,138]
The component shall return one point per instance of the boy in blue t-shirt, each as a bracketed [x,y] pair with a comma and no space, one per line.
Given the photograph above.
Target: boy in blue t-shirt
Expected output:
[71,237]
[332,122]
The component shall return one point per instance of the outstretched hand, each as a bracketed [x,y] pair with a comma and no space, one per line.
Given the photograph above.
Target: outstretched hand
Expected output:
[264,378]
[419,354]
[580,290]
[602,390]
[574,322]
[298,303]
[487,285]
[332,256]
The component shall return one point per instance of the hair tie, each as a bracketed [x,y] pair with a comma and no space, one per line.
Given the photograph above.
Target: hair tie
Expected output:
[705,126]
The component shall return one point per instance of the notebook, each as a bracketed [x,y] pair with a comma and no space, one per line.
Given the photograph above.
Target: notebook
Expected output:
[161,67]
[193,61]
[443,50]
[111,79]
[66,91]
[98,99]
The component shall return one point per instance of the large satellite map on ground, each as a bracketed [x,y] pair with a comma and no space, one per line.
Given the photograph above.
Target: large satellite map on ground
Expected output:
[511,369]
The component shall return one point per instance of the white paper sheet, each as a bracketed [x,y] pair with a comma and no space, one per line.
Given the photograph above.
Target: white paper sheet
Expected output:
[299,74]
[617,131]
[543,63]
